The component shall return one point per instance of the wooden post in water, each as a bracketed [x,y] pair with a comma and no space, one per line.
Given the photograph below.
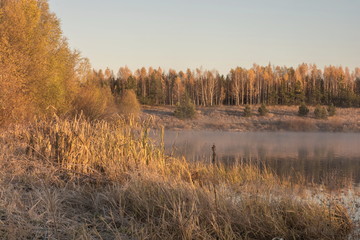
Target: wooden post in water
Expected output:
[213,148]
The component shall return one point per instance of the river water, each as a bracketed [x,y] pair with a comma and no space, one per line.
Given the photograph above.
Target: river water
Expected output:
[329,158]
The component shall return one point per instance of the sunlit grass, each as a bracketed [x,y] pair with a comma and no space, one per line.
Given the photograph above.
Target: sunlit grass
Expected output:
[74,179]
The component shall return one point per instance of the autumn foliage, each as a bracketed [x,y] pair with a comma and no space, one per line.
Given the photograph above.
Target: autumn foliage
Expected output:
[36,65]
[128,104]
[41,76]
[66,177]
[270,85]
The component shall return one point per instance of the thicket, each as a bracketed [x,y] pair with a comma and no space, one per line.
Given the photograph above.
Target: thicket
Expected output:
[93,101]
[128,103]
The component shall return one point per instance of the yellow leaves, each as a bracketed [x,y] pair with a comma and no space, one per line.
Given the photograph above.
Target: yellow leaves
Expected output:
[83,70]
[124,73]
[286,77]
[36,65]
[32,14]
[251,75]
[267,76]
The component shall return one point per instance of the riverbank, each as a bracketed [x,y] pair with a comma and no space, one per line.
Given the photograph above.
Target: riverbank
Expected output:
[74,179]
[230,118]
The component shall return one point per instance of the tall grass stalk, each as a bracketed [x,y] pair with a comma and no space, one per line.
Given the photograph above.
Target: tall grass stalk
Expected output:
[76,179]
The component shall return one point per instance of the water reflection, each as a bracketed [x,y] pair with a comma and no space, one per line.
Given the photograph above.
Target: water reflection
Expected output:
[319,157]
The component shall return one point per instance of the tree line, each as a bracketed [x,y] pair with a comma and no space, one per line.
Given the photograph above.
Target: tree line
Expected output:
[269,84]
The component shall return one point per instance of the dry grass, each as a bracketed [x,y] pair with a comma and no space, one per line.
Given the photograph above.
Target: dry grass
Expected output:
[280,118]
[296,125]
[76,179]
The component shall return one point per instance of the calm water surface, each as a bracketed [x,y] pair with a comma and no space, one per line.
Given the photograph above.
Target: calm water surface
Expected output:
[319,157]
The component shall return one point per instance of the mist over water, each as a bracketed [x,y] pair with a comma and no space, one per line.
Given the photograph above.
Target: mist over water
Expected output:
[319,157]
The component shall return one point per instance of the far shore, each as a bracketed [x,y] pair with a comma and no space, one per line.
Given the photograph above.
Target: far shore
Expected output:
[279,118]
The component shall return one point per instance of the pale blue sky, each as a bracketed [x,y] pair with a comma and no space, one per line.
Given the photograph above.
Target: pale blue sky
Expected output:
[219,34]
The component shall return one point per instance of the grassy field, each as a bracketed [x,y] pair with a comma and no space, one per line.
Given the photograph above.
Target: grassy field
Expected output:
[74,179]
[280,118]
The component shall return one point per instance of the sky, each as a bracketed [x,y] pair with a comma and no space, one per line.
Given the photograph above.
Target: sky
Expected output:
[213,34]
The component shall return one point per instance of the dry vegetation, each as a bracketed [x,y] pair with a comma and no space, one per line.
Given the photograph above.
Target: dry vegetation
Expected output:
[279,118]
[63,179]
[128,103]
[87,178]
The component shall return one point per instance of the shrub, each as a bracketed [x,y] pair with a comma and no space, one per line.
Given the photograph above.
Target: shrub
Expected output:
[93,101]
[128,103]
[303,110]
[185,108]
[247,111]
[331,110]
[320,112]
[263,111]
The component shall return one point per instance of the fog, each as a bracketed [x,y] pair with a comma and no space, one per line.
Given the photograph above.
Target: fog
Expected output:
[316,155]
